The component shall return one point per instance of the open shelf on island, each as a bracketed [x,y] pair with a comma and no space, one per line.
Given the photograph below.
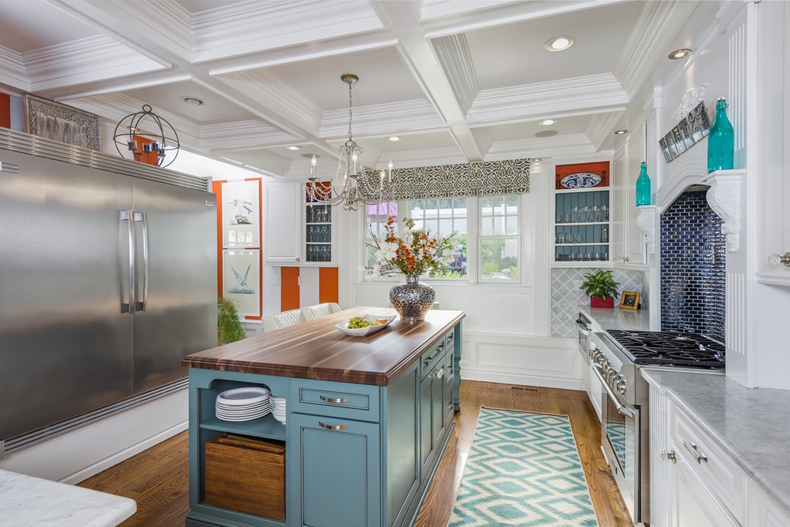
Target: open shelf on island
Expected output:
[266,427]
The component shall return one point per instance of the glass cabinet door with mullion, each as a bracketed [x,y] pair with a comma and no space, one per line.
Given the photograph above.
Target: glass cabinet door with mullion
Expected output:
[318,233]
[582,208]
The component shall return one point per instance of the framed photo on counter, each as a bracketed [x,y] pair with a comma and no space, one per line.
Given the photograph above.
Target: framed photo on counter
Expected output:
[241,280]
[629,300]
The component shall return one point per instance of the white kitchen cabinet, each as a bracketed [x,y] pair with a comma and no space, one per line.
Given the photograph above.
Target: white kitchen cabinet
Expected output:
[628,240]
[692,504]
[763,511]
[296,233]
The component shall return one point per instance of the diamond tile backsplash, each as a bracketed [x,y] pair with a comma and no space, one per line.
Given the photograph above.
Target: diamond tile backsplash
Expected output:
[693,272]
[566,295]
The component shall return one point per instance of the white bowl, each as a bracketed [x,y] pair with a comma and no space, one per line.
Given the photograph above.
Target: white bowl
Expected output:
[361,332]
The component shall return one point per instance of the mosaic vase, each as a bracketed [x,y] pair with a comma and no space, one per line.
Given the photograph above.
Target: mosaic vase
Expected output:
[412,299]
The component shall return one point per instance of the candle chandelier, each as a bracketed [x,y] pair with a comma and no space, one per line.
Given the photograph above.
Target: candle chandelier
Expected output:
[352,185]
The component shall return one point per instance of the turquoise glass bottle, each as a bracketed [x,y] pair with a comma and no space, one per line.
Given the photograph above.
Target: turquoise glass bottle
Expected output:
[721,140]
[643,187]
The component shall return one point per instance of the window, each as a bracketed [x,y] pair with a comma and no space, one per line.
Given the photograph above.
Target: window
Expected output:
[500,240]
[489,225]
[443,217]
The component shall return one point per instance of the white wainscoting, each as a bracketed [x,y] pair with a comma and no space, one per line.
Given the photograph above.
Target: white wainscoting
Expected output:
[518,358]
[84,452]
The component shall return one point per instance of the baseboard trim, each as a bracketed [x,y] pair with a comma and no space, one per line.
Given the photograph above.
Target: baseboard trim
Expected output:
[471,374]
[123,455]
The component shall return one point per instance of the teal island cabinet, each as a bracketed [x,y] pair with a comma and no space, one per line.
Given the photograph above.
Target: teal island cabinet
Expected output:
[367,418]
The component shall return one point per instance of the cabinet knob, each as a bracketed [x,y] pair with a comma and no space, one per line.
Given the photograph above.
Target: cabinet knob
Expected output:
[439,373]
[664,455]
[298,259]
[779,259]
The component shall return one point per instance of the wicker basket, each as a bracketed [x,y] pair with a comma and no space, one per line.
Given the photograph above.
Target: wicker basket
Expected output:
[246,475]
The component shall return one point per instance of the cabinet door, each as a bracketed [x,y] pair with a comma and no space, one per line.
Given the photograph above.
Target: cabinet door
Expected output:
[692,504]
[437,400]
[403,451]
[426,426]
[618,209]
[449,382]
[283,224]
[635,238]
[334,472]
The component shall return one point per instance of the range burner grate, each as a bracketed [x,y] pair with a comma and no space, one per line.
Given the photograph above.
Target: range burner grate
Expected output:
[670,349]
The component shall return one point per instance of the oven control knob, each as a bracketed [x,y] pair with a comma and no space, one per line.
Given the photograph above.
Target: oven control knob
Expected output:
[620,384]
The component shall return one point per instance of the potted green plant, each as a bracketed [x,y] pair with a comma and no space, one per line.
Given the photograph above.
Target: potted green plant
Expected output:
[601,288]
[229,327]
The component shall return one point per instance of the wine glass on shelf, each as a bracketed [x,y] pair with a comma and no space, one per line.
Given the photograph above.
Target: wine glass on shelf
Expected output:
[575,214]
[585,215]
[605,212]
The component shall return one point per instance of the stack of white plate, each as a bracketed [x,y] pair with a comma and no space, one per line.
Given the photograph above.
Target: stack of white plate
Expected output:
[243,404]
[278,408]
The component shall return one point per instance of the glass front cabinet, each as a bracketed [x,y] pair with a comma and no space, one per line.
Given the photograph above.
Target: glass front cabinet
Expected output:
[582,211]
[318,233]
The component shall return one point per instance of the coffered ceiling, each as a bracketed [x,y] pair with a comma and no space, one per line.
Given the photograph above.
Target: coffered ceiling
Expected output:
[456,80]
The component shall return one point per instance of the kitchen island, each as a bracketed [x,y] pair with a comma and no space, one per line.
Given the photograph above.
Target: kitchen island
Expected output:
[367,420]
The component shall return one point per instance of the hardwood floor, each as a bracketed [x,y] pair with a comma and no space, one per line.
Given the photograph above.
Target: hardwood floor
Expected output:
[158,478]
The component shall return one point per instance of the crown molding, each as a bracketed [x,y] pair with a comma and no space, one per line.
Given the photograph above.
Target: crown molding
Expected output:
[601,125]
[265,86]
[545,98]
[455,58]
[484,138]
[381,118]
[558,145]
[243,134]
[85,60]
[447,155]
[655,29]
[115,106]
[252,25]
[12,69]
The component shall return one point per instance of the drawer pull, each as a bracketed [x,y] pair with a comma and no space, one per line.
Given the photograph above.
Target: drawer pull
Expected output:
[426,362]
[333,400]
[332,427]
[664,455]
[692,448]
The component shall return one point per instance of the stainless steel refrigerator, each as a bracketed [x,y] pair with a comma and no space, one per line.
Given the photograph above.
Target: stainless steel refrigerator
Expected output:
[108,277]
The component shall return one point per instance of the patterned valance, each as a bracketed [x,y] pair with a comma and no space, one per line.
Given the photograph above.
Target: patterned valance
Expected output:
[444,181]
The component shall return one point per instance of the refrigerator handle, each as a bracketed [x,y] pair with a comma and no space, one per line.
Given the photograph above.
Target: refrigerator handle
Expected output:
[140,216]
[126,215]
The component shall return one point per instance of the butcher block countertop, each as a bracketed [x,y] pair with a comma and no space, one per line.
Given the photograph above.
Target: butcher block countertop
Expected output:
[317,350]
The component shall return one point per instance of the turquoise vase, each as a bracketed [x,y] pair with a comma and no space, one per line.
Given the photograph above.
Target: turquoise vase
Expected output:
[721,140]
[643,187]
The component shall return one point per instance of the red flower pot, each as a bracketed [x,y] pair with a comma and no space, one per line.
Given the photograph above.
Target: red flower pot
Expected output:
[597,301]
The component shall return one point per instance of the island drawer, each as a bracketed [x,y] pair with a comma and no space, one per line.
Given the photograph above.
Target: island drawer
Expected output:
[431,358]
[352,401]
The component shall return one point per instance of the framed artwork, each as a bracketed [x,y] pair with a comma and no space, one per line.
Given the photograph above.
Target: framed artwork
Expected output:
[241,214]
[241,280]
[59,122]
[629,300]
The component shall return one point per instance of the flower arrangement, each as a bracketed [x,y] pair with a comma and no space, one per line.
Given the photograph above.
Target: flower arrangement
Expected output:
[413,252]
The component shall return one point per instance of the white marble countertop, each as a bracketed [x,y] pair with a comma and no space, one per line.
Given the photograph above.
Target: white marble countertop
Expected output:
[751,426]
[616,318]
[26,501]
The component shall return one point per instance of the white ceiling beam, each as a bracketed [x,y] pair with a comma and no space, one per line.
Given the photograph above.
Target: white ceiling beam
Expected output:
[243,134]
[12,70]
[418,54]
[657,26]
[601,126]
[453,53]
[570,144]
[504,13]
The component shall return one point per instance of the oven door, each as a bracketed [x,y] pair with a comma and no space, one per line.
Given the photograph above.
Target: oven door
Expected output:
[620,434]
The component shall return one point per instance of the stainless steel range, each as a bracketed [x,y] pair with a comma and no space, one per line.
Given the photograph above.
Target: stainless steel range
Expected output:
[616,357]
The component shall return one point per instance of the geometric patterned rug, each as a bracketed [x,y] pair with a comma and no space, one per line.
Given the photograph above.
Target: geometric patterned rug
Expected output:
[523,470]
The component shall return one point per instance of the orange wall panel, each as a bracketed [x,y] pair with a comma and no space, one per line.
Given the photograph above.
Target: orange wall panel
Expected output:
[289,296]
[216,187]
[5,110]
[327,284]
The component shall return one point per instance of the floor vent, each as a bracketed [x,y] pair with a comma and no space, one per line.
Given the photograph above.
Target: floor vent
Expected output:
[524,389]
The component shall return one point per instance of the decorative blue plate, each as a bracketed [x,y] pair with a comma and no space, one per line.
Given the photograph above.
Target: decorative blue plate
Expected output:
[580,180]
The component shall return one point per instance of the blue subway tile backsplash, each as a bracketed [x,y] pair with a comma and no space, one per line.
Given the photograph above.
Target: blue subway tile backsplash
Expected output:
[692,267]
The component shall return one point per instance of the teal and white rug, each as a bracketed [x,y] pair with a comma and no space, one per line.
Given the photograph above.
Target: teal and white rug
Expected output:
[523,469]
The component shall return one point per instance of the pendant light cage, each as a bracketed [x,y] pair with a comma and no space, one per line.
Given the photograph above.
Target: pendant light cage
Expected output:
[148,137]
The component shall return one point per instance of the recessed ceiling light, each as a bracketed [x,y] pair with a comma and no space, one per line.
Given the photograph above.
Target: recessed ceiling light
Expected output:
[394,138]
[546,133]
[310,156]
[193,101]
[294,148]
[620,132]
[559,44]
[537,159]
[547,122]
[680,53]
[245,165]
